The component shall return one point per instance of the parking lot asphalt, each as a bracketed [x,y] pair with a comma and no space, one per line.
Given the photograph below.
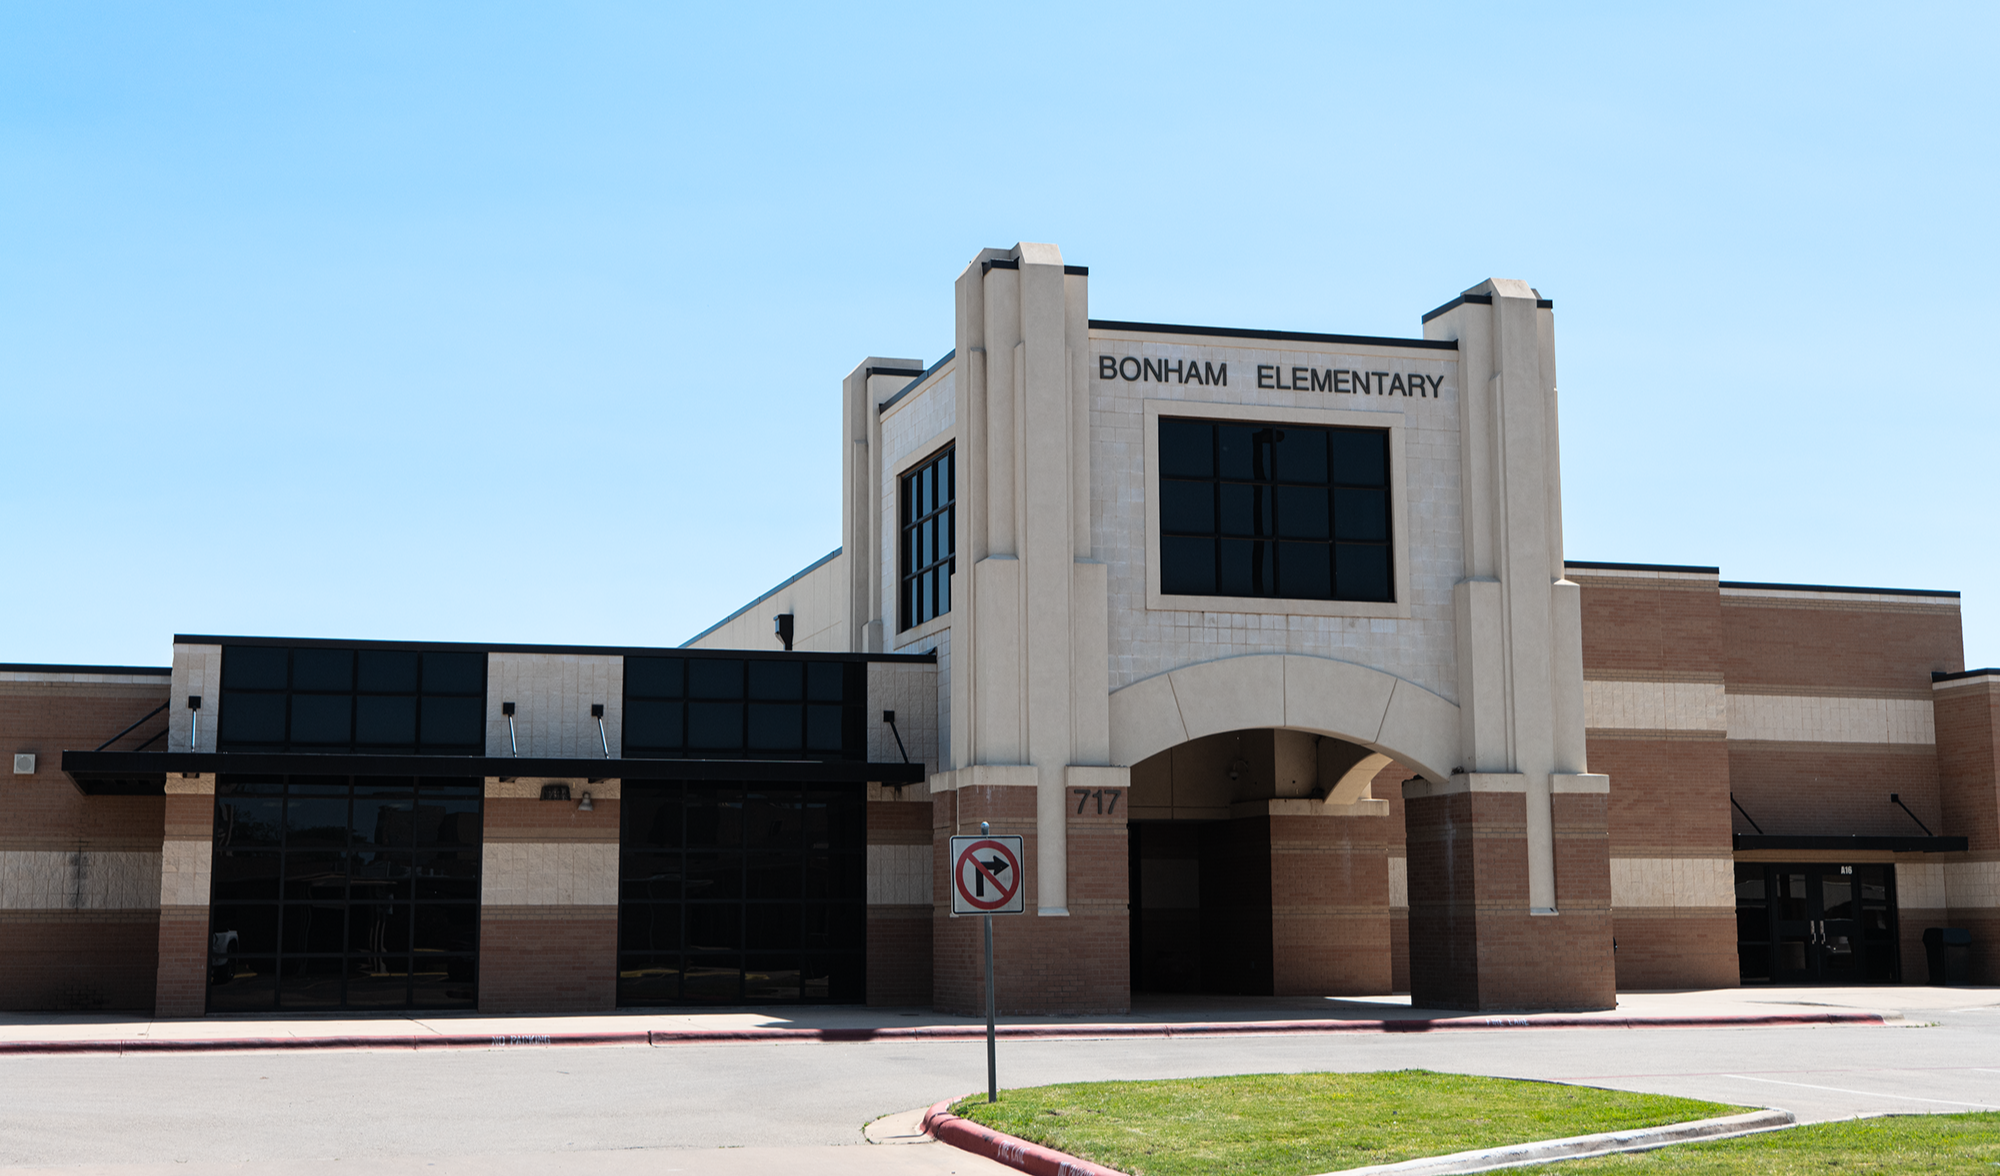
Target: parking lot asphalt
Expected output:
[792,1106]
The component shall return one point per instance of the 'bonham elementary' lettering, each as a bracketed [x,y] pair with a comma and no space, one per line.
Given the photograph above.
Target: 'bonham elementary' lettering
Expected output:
[1140,369]
[1305,379]
[1162,371]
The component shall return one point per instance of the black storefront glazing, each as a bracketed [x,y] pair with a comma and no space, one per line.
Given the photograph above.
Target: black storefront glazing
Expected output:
[1286,512]
[734,893]
[1816,923]
[794,707]
[378,701]
[344,892]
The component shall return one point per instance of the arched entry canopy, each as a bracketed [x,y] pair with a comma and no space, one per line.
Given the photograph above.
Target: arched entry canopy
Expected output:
[1378,710]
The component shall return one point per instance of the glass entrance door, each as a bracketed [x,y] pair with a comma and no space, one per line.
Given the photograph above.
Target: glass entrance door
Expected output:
[1816,924]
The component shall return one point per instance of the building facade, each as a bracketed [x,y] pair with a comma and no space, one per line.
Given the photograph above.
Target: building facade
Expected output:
[1264,642]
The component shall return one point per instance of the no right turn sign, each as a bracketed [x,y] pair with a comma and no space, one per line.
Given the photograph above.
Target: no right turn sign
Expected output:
[986,875]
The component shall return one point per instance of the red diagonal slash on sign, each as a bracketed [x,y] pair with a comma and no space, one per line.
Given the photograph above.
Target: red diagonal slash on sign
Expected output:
[970,854]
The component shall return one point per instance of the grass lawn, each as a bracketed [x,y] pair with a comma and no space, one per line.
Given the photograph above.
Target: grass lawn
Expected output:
[1858,1147]
[1298,1124]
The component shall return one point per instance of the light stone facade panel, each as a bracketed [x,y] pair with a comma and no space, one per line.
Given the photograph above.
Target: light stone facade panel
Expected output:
[184,873]
[549,873]
[118,880]
[1969,884]
[1655,706]
[1673,882]
[1399,882]
[1146,641]
[552,695]
[911,690]
[1921,886]
[817,600]
[198,674]
[1811,719]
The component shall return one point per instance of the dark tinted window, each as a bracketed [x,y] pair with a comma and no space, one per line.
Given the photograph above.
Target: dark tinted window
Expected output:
[382,701]
[1283,512]
[928,546]
[784,707]
[733,893]
[337,892]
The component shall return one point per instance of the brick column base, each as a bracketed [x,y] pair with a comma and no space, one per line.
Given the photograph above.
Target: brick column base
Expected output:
[1329,906]
[1473,942]
[1042,965]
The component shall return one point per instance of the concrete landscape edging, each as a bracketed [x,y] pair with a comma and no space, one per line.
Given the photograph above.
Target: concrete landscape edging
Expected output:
[1576,1147]
[938,1033]
[1037,1160]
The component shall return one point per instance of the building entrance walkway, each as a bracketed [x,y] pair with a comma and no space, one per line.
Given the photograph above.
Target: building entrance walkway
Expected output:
[1151,1016]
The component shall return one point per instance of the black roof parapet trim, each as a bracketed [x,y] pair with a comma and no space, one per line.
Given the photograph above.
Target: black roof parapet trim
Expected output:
[1014,263]
[40,668]
[1288,336]
[1955,675]
[1755,586]
[1461,300]
[612,650]
[1595,566]
[944,359]
[869,373]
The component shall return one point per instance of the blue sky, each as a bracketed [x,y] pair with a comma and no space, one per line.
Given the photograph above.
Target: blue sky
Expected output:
[525,323]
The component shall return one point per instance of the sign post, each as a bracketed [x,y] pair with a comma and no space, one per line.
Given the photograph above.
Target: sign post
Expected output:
[986,879]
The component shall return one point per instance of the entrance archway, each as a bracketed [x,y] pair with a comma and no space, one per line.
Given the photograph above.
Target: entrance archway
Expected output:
[1263,860]
[1320,695]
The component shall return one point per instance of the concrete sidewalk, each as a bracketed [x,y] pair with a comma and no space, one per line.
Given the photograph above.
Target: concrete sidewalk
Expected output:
[1163,1016]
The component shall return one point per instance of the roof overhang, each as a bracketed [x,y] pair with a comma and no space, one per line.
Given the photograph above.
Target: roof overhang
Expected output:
[144,773]
[1838,842]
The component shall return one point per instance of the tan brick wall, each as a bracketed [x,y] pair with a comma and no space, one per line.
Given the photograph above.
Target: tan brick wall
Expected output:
[70,961]
[1968,753]
[1870,646]
[1675,948]
[1669,795]
[1650,629]
[1837,788]
[1329,906]
[547,959]
[181,978]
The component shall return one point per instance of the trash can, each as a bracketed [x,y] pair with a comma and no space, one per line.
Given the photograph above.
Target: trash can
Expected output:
[1949,952]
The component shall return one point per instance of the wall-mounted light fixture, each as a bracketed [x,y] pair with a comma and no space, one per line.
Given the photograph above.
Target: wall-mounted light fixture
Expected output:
[782,625]
[555,792]
[507,708]
[584,805]
[597,712]
[194,737]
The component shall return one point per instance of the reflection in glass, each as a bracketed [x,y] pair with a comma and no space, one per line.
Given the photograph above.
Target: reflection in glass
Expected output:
[323,913]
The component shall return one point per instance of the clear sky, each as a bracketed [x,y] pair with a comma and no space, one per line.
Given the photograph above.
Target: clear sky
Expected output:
[508,322]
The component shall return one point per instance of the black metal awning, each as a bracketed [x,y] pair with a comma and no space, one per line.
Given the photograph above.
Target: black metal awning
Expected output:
[1839,842]
[144,773]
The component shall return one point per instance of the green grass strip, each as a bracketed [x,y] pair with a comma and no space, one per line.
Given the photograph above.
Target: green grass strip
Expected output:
[1299,1124]
[1943,1145]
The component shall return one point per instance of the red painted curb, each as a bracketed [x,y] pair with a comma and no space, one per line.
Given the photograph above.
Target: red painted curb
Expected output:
[1003,1148]
[937,1033]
